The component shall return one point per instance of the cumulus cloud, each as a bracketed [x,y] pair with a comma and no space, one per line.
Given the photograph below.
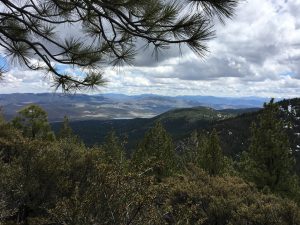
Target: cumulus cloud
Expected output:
[25,81]
[257,53]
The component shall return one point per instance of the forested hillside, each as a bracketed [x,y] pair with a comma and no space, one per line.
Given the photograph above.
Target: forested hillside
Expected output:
[232,125]
[235,132]
[48,178]
[178,122]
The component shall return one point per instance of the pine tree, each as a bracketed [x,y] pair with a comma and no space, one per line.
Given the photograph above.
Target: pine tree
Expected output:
[156,151]
[213,159]
[11,140]
[32,120]
[65,131]
[269,162]
[2,120]
[192,148]
[189,149]
[114,149]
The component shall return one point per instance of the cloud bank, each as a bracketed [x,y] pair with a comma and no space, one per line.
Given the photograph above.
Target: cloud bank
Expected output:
[255,54]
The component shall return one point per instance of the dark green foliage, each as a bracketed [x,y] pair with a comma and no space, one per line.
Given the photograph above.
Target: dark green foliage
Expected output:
[233,133]
[156,152]
[11,141]
[195,114]
[197,198]
[33,122]
[65,131]
[110,197]
[190,150]
[62,182]
[179,123]
[40,174]
[2,120]
[269,161]
[213,159]
[114,150]
[204,151]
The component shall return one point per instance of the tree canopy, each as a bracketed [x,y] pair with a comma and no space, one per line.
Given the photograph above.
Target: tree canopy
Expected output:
[156,152]
[108,32]
[61,181]
[32,120]
[269,161]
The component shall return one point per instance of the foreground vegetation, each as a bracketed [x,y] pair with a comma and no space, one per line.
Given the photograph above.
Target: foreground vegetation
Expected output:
[56,179]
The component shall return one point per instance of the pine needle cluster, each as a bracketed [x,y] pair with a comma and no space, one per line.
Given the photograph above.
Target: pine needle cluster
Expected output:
[108,33]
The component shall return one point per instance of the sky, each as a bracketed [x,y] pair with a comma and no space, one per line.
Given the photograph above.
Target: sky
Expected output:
[257,53]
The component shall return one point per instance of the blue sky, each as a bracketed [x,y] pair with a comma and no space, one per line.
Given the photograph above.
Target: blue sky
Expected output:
[3,63]
[255,54]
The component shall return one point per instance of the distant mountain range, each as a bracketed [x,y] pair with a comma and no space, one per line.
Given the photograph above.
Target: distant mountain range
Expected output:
[117,106]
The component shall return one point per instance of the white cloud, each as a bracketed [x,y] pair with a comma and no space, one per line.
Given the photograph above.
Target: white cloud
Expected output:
[23,81]
[257,53]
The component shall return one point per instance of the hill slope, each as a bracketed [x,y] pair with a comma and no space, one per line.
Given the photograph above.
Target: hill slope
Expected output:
[233,126]
[179,123]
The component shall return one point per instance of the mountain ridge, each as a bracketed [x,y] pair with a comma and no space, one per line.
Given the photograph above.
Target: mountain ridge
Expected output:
[188,119]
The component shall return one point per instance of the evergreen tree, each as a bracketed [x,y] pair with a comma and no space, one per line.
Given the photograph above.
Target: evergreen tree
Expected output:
[114,149]
[189,148]
[2,120]
[33,122]
[11,140]
[204,151]
[65,131]
[269,162]
[192,149]
[213,159]
[156,151]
